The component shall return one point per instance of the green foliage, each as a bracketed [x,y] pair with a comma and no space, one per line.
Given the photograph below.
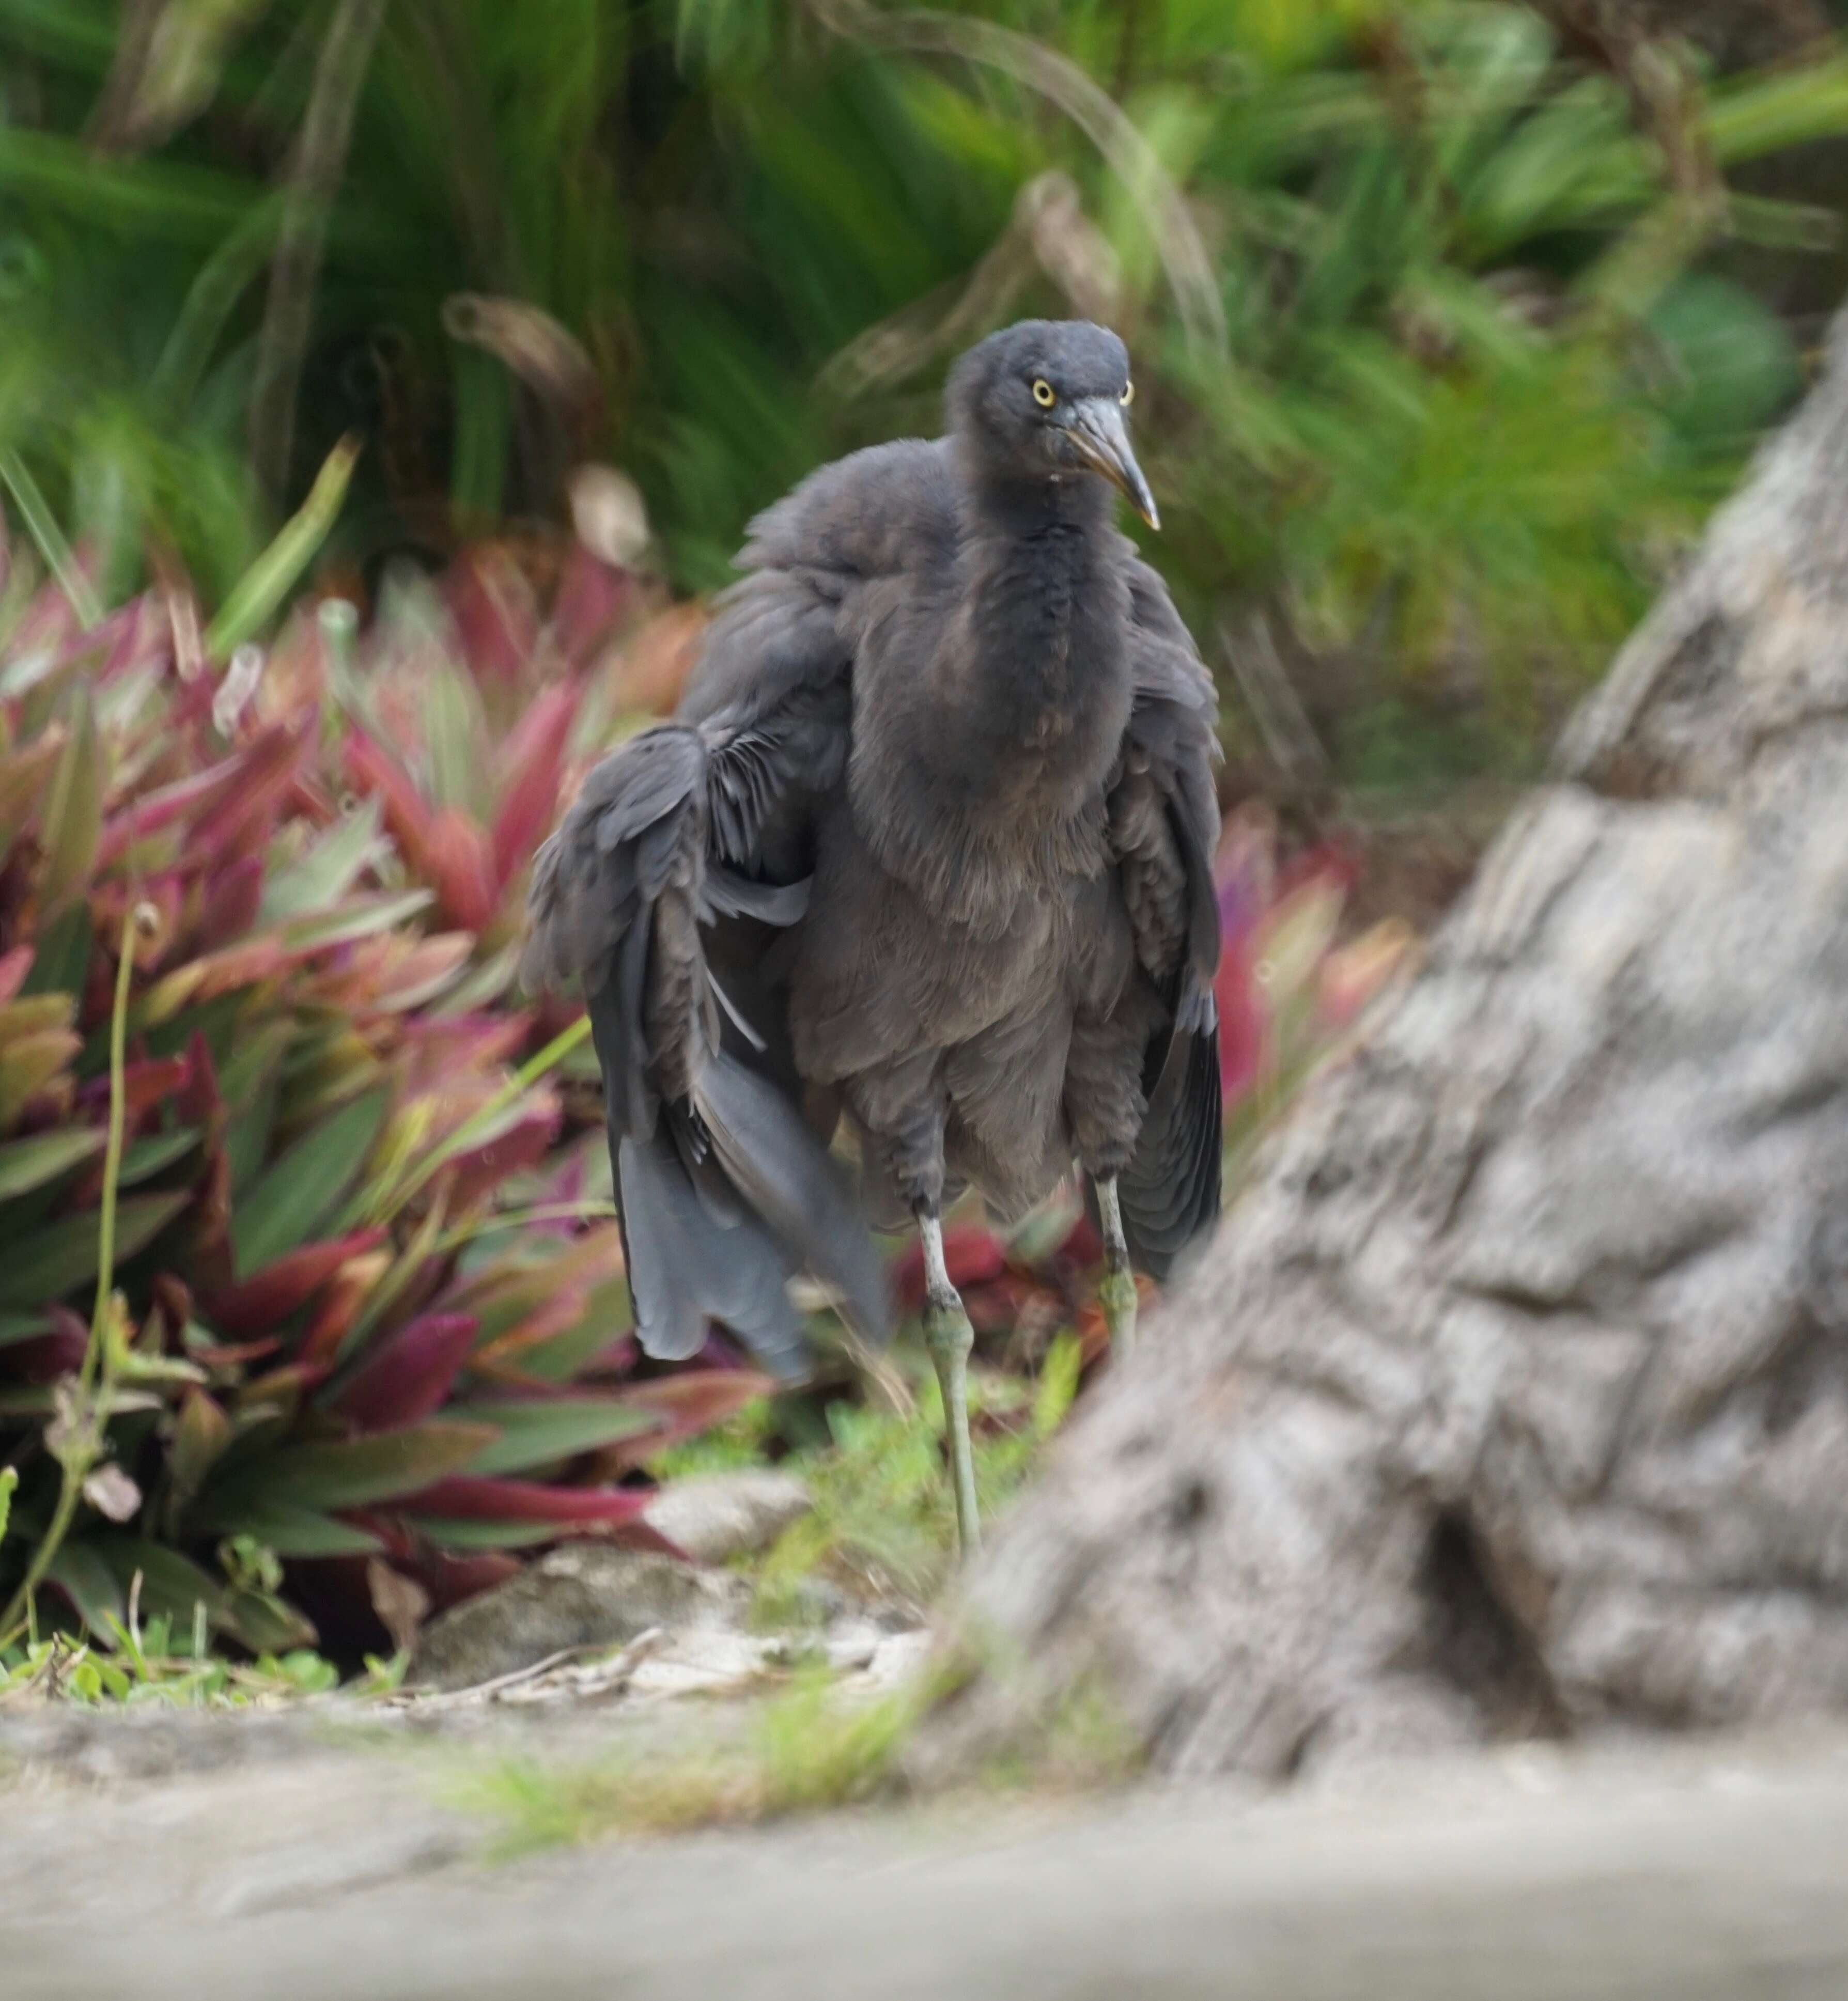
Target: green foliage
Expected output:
[809,1747]
[155,1666]
[1480,369]
[883,1523]
[1441,352]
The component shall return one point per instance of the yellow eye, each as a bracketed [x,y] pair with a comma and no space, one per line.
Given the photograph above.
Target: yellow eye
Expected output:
[1129,395]
[1043,393]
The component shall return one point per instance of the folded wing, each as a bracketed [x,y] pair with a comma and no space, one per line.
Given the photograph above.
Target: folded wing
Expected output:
[1165,826]
[662,893]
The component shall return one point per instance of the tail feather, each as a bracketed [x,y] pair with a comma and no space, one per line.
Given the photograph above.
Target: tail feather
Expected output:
[687,1269]
[1170,1192]
[783,1172]
[722,1191]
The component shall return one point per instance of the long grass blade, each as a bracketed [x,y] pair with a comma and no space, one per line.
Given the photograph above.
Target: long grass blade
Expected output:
[42,525]
[276,572]
[314,177]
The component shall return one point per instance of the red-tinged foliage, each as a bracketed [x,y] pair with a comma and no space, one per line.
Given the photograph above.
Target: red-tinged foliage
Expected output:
[57,1352]
[229,908]
[459,865]
[15,965]
[686,1405]
[267,1299]
[373,770]
[409,1374]
[304,1245]
[496,618]
[1286,992]
[332,1316]
[531,767]
[593,602]
[465,1498]
[477,1172]
[241,820]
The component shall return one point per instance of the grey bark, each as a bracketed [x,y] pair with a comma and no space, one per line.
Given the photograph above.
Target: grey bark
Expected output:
[1513,1397]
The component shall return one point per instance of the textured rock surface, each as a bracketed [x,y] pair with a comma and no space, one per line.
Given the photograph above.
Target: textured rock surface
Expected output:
[580,1595]
[723,1514]
[1514,1393]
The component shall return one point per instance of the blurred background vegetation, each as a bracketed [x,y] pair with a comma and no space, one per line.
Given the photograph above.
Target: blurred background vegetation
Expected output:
[1452,317]
[384,383]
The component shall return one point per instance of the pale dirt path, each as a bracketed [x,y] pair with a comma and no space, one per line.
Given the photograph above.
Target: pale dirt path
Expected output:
[288,1869]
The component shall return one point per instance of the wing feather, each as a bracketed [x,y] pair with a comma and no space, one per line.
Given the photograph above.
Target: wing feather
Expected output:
[1164,824]
[692,837]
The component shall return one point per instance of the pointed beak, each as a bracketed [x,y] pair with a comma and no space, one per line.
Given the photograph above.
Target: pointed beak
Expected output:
[1098,430]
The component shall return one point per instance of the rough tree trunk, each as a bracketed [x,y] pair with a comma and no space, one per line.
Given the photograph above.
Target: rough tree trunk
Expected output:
[1514,1395]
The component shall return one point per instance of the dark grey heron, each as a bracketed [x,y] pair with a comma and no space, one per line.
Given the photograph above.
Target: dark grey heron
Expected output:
[927,847]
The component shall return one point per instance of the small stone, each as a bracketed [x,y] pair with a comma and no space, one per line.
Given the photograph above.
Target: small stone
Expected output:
[856,1646]
[582,1595]
[715,1516]
[815,1602]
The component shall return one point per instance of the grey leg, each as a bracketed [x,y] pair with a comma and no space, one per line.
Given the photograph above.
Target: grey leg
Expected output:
[949,1338]
[1117,1290]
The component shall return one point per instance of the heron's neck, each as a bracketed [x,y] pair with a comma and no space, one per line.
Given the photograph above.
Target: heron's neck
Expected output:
[986,783]
[1001,508]
[1037,643]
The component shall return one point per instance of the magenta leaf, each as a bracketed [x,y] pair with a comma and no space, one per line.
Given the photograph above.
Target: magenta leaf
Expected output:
[251,1309]
[409,1374]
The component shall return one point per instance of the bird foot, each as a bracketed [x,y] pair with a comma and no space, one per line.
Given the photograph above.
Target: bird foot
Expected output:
[1116,1294]
[950,1339]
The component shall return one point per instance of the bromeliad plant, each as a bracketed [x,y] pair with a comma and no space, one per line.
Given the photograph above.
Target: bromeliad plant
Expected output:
[468,706]
[271,1337]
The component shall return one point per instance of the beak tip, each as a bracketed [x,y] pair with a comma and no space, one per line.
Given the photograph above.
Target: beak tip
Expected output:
[1103,444]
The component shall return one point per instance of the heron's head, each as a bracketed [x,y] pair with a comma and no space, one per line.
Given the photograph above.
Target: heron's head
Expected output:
[1047,399]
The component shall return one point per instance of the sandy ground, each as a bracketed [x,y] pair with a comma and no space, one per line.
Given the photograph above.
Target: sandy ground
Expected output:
[215,1857]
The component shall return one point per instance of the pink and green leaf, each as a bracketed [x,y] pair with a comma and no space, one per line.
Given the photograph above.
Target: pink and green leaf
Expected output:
[409,1374]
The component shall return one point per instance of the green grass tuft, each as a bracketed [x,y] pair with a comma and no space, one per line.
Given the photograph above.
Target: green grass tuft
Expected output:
[807,1749]
[883,1526]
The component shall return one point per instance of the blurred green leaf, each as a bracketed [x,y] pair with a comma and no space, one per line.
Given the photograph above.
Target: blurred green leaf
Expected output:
[63,958]
[358,917]
[328,868]
[260,592]
[1751,117]
[143,1159]
[541,1433]
[73,813]
[87,1581]
[268,1624]
[29,1164]
[289,1202]
[287,1527]
[1055,1392]
[42,525]
[455,729]
[464,1538]
[171,1584]
[345,1473]
[61,1258]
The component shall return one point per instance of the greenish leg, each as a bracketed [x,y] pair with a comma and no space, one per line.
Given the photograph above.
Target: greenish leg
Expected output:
[949,1338]
[1116,1291]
